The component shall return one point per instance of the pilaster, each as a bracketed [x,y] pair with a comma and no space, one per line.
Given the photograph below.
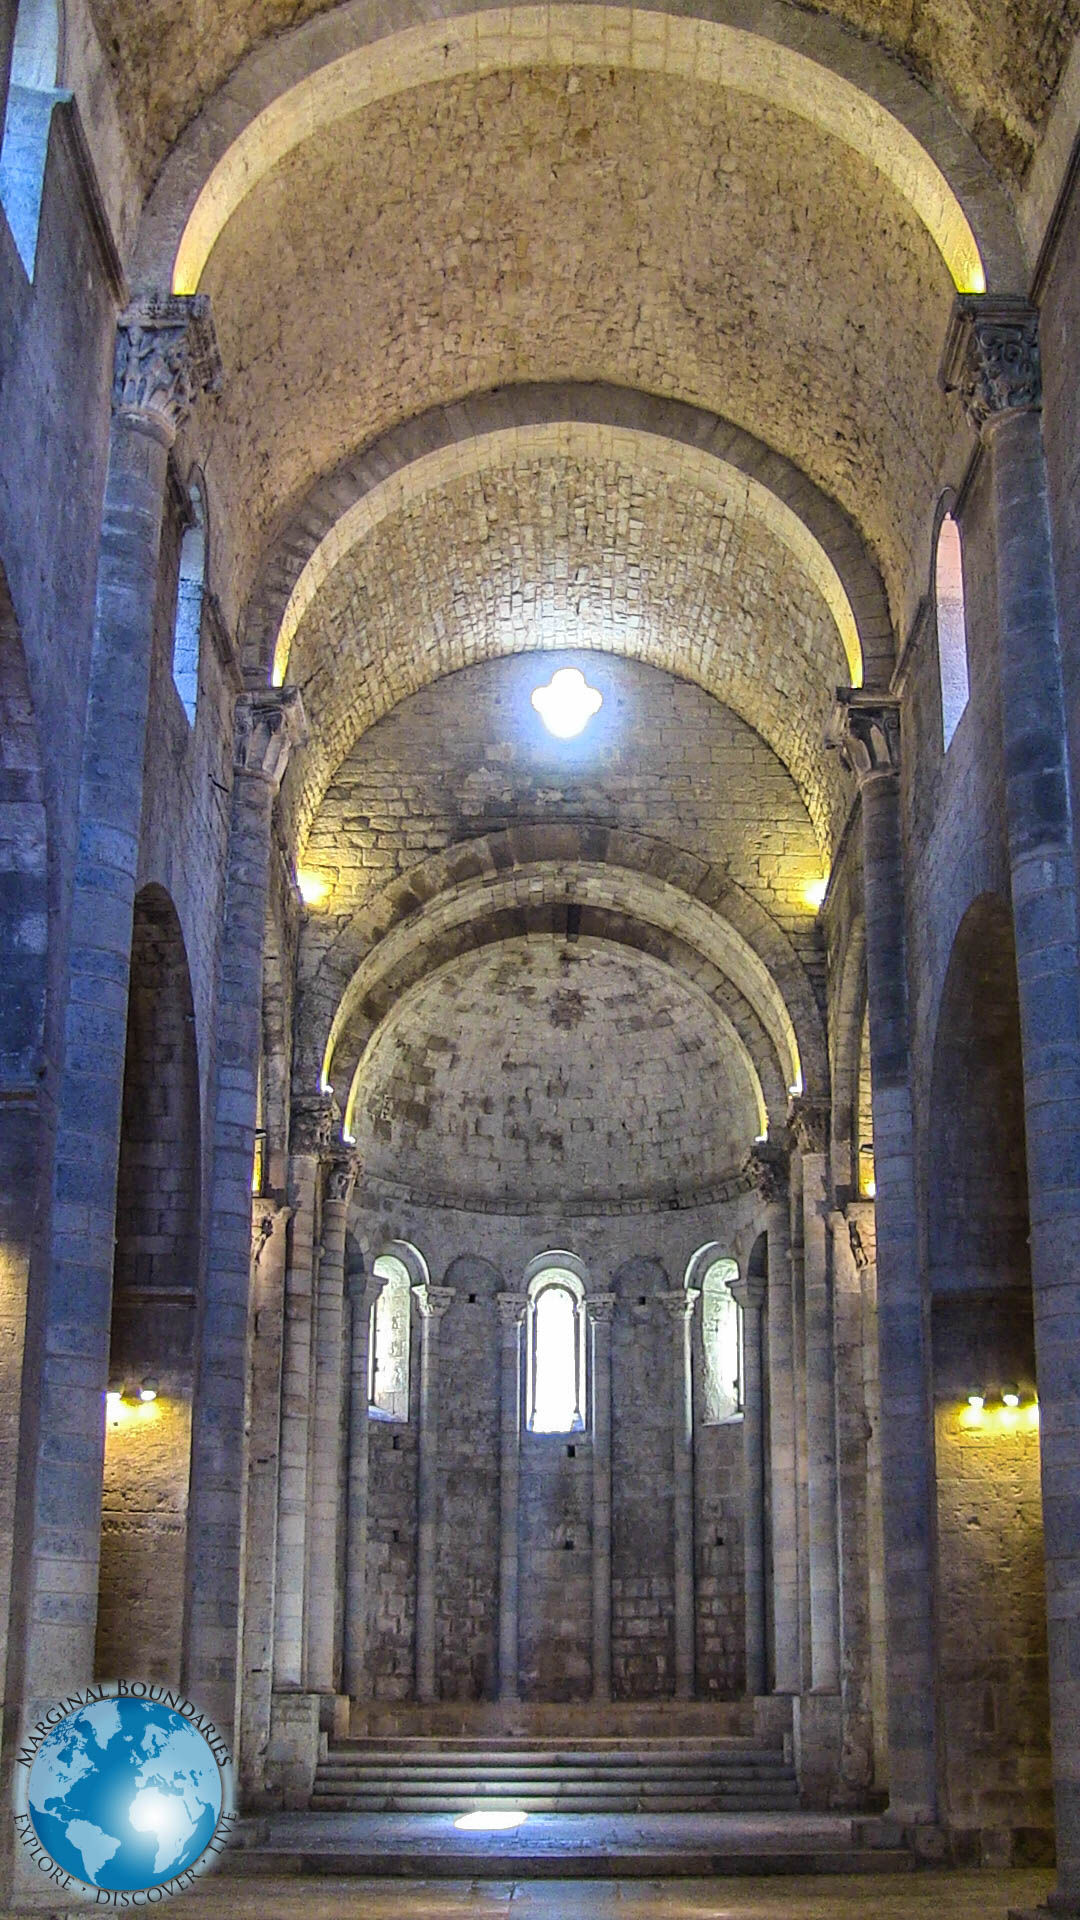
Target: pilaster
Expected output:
[680,1307]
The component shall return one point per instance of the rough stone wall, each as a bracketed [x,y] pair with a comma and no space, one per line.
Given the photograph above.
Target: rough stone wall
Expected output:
[614,1081]
[392,1464]
[555,1538]
[467,1602]
[1059,329]
[486,1253]
[470,756]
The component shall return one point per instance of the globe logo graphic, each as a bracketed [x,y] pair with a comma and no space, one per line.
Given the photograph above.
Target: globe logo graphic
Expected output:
[124,1794]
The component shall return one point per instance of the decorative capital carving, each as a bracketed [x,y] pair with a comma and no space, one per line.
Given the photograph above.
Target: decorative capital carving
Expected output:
[680,1302]
[341,1177]
[991,356]
[166,354]
[865,730]
[363,1288]
[809,1123]
[510,1308]
[600,1308]
[767,1166]
[267,726]
[434,1301]
[749,1291]
[312,1123]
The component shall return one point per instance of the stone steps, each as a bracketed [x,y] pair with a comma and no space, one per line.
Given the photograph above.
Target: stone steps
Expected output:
[363,1776]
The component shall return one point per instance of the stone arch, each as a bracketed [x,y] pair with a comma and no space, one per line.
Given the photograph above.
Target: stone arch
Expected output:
[148,1440]
[830,546]
[846,85]
[745,1032]
[669,888]
[994,1715]
[35,65]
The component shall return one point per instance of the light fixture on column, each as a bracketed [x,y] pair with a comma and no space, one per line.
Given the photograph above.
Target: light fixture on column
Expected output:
[149,1390]
[1010,1396]
[976,1401]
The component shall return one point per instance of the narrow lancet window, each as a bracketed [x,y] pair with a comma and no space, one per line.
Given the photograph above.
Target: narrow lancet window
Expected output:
[388,1341]
[951,626]
[721,1334]
[556,1353]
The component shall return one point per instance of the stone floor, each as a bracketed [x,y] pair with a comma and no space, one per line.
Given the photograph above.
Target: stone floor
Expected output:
[918,1896]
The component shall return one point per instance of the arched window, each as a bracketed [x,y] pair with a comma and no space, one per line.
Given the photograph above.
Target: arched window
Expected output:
[951,626]
[721,1335]
[388,1337]
[191,586]
[555,1351]
[32,95]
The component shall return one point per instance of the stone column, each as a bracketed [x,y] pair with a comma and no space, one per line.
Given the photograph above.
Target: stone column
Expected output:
[750,1294]
[600,1308]
[270,1220]
[680,1306]
[311,1127]
[810,1128]
[268,725]
[866,728]
[992,356]
[852,1427]
[364,1291]
[433,1303]
[511,1314]
[165,354]
[769,1166]
[324,1495]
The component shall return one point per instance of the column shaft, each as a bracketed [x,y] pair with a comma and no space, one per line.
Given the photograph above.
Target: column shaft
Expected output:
[820,1434]
[681,1308]
[750,1295]
[267,724]
[433,1302]
[162,357]
[511,1313]
[993,356]
[866,728]
[324,1498]
[309,1143]
[268,1302]
[600,1308]
[364,1292]
[784,1508]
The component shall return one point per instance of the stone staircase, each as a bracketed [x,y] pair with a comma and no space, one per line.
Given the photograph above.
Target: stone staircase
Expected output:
[454,1776]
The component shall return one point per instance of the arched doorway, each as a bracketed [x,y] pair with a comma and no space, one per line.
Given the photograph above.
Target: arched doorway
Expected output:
[148,1413]
[990,1592]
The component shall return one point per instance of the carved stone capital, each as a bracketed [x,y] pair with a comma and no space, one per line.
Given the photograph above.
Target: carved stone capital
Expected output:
[363,1288]
[991,356]
[434,1301]
[809,1123]
[749,1292]
[680,1302]
[312,1123]
[865,730]
[267,726]
[767,1166]
[510,1308]
[341,1177]
[166,354]
[600,1308]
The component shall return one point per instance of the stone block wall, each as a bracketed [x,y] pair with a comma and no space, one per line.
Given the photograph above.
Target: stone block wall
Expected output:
[483,1254]
[467,1598]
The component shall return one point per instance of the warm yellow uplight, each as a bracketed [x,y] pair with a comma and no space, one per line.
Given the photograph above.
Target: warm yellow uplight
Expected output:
[314,890]
[814,892]
[977,1401]
[870,1189]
